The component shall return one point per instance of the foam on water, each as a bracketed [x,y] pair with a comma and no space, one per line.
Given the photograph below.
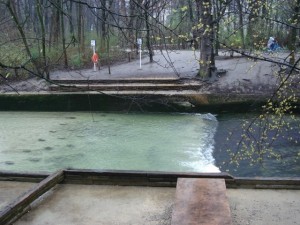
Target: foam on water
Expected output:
[202,156]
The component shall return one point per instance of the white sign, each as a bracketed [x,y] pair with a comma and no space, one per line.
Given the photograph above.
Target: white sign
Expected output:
[139,41]
[93,43]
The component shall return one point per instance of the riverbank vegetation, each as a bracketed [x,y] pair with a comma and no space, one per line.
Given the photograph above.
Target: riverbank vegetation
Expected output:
[43,35]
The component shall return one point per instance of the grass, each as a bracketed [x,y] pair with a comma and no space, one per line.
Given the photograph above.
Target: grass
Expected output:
[13,54]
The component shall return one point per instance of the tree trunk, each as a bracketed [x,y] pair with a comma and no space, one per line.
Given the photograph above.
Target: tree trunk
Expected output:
[241,22]
[293,32]
[103,19]
[70,11]
[207,60]
[10,8]
[55,26]
[63,36]
[148,37]
[43,33]
[131,36]
[253,19]
[80,26]
[191,14]
[216,11]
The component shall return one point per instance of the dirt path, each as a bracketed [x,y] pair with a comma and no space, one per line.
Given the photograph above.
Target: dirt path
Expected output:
[243,75]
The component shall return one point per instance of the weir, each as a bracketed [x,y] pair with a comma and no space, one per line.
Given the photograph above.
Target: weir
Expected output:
[151,142]
[177,142]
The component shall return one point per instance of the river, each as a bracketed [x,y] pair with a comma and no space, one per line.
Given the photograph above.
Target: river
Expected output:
[48,141]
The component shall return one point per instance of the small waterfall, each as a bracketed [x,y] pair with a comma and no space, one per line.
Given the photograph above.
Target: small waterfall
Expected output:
[202,159]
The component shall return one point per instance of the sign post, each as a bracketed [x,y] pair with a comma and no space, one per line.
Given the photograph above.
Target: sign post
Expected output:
[93,44]
[140,42]
[95,57]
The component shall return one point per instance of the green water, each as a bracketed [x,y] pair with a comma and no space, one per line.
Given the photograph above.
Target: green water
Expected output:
[47,141]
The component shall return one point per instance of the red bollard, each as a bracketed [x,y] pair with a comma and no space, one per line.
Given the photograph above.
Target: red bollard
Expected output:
[95,59]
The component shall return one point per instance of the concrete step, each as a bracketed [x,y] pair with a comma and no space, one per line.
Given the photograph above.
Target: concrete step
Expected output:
[159,80]
[201,201]
[126,86]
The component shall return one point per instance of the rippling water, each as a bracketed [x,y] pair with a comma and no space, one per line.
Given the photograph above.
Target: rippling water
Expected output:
[47,141]
[287,146]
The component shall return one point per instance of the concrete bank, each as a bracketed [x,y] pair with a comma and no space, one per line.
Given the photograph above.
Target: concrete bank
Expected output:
[159,101]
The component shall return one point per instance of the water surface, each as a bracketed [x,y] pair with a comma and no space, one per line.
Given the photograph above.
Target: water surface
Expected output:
[286,145]
[47,141]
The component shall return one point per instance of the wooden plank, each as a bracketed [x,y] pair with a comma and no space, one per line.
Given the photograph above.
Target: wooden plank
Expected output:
[18,207]
[201,201]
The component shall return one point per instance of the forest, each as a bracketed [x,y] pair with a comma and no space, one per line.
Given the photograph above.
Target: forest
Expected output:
[38,36]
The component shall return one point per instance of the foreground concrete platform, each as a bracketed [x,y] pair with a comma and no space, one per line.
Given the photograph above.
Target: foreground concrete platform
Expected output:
[135,197]
[107,205]
[10,190]
[100,204]
[264,207]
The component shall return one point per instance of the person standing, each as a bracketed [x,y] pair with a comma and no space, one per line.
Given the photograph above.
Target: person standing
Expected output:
[271,43]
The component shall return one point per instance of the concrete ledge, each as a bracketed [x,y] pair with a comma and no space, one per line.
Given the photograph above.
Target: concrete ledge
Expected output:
[133,178]
[264,183]
[185,101]
[152,178]
[119,80]
[22,177]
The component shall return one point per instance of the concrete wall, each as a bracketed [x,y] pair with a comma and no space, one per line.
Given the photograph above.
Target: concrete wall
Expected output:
[212,103]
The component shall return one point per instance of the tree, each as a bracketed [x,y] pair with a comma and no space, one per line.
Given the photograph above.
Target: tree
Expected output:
[205,27]
[43,34]
[147,7]
[11,8]
[293,31]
